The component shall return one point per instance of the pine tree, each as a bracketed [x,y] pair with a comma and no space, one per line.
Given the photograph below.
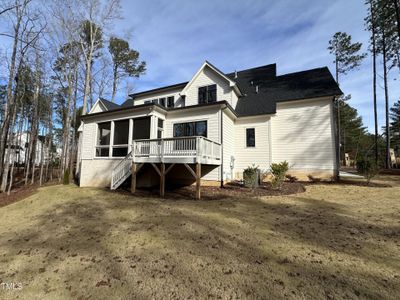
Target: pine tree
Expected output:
[125,62]
[347,58]
[395,125]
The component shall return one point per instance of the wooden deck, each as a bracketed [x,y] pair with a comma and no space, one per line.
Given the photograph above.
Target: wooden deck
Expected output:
[177,150]
[183,150]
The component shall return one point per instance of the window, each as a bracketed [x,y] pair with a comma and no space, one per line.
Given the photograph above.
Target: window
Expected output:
[148,102]
[250,137]
[103,139]
[161,101]
[160,128]
[190,129]
[208,94]
[121,137]
[171,101]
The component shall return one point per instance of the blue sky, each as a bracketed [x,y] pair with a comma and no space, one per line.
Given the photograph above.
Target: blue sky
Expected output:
[174,37]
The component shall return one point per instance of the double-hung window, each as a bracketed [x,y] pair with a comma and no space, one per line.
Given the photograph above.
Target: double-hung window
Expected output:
[207,94]
[170,101]
[161,101]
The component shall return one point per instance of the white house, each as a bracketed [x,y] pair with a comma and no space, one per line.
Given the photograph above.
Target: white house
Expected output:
[20,144]
[214,126]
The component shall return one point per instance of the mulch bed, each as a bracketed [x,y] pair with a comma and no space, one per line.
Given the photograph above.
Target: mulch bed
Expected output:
[231,190]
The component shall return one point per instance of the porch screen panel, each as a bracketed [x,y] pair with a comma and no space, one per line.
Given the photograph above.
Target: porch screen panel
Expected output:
[121,137]
[141,129]
[103,139]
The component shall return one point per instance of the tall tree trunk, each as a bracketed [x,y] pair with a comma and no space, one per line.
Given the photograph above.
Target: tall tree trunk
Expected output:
[7,163]
[388,162]
[86,91]
[396,8]
[114,87]
[9,103]
[338,100]
[374,83]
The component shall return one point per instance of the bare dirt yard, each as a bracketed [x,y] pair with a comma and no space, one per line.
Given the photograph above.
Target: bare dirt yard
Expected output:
[333,241]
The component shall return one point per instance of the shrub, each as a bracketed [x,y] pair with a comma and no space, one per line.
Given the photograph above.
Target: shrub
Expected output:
[313,179]
[251,176]
[66,177]
[291,178]
[367,168]
[278,171]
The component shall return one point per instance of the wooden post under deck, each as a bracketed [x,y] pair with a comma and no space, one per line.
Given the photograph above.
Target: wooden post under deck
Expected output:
[198,178]
[162,180]
[133,181]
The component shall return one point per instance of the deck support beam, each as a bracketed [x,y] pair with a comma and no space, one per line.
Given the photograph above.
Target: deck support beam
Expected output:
[198,183]
[197,176]
[162,180]
[134,170]
[133,181]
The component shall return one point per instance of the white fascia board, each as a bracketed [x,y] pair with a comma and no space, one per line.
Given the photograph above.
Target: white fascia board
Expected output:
[206,64]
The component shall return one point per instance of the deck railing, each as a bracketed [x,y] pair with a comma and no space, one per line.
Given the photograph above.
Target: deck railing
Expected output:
[196,147]
[183,149]
[121,171]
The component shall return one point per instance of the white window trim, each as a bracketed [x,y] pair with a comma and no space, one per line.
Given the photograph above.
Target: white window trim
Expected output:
[189,121]
[245,138]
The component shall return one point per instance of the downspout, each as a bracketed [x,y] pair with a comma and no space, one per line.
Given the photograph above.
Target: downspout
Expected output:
[222,147]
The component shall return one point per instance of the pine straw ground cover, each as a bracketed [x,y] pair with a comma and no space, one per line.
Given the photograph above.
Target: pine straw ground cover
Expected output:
[333,241]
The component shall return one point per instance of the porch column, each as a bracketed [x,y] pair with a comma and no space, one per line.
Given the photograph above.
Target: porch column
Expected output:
[153,127]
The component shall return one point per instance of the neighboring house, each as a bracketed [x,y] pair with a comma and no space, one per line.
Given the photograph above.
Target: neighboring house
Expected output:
[220,122]
[21,143]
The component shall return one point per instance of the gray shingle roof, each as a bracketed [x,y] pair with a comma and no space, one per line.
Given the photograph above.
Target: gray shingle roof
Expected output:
[108,104]
[271,89]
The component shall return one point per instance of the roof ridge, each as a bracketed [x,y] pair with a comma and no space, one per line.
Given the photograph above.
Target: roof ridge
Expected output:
[255,68]
[304,71]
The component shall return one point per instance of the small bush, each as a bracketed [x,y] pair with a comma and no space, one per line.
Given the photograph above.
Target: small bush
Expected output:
[66,177]
[291,178]
[367,168]
[251,176]
[278,171]
[314,179]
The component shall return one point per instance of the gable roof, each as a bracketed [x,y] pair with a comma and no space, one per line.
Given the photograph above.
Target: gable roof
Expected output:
[207,64]
[108,104]
[272,89]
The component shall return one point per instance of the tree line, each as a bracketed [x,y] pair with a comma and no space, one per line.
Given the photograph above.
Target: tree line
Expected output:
[62,57]
[382,21]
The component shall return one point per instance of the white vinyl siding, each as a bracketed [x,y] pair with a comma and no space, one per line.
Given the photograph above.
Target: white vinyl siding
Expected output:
[209,114]
[258,155]
[228,144]
[303,134]
[205,78]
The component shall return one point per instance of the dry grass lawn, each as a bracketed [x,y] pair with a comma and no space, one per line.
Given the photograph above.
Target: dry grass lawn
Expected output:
[331,242]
